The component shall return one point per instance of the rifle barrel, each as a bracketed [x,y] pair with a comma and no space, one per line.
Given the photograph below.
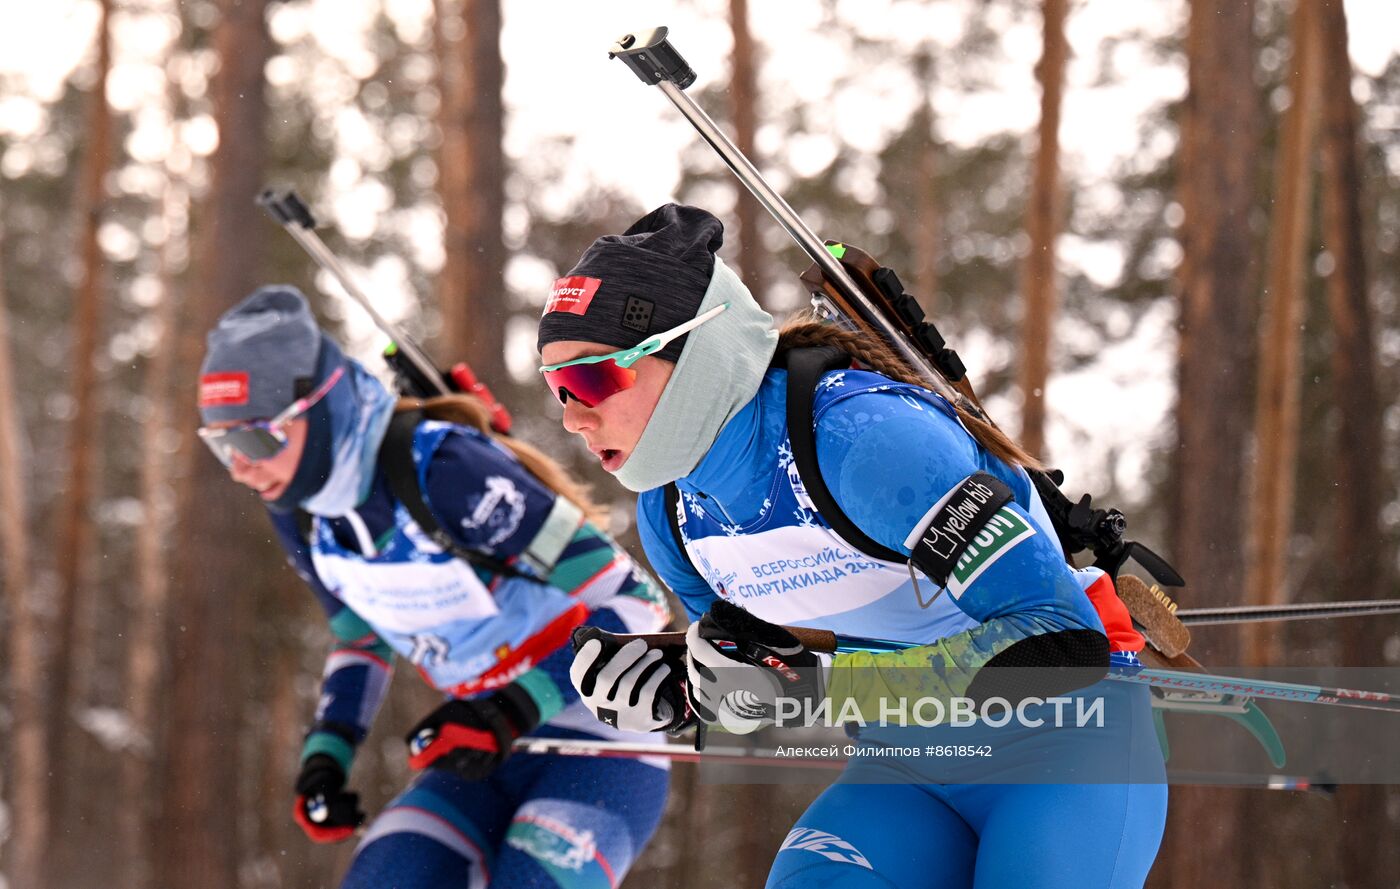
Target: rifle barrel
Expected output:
[298,225]
[813,246]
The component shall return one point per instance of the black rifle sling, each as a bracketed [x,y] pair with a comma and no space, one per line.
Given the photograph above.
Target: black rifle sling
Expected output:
[1058,507]
[805,369]
[396,461]
[304,522]
[672,497]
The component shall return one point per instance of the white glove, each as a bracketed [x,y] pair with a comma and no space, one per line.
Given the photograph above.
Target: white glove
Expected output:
[607,686]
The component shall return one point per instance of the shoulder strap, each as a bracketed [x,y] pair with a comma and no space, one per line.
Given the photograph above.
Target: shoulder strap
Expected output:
[304,525]
[672,497]
[396,460]
[805,368]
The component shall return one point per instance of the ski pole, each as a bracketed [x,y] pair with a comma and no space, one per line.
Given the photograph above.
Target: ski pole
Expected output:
[1236,614]
[827,642]
[753,756]
[1210,683]
[676,752]
[293,215]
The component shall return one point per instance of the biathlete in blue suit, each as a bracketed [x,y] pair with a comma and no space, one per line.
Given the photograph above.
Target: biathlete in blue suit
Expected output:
[295,420]
[663,362]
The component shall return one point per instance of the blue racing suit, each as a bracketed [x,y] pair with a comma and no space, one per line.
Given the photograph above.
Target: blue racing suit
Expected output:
[889,452]
[539,821]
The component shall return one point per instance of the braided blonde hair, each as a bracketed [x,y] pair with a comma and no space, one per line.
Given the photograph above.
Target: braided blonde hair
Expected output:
[875,355]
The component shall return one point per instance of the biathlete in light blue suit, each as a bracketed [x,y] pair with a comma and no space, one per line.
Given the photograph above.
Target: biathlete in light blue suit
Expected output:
[484,614]
[664,364]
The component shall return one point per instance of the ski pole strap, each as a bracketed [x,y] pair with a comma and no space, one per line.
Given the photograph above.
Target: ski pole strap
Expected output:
[805,368]
[401,470]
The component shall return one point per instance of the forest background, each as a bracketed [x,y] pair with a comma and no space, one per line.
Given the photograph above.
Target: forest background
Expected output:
[1164,237]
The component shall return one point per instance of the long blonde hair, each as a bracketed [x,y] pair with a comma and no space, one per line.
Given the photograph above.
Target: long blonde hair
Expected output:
[875,355]
[468,410]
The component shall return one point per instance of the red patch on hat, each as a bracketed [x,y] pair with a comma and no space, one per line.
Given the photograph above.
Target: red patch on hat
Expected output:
[572,295]
[223,389]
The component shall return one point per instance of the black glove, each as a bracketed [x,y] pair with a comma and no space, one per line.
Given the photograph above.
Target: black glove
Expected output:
[323,809]
[472,737]
[741,666]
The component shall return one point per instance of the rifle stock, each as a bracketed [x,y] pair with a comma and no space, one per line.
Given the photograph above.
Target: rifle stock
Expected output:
[883,288]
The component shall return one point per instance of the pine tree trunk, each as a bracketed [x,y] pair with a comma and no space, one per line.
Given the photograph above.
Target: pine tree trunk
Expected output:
[1042,224]
[1219,144]
[147,634]
[75,534]
[928,230]
[743,100]
[1218,149]
[472,290]
[212,613]
[1359,472]
[26,787]
[927,222]
[453,162]
[1280,345]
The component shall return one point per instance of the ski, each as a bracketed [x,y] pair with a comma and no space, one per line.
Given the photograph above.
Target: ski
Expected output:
[1266,689]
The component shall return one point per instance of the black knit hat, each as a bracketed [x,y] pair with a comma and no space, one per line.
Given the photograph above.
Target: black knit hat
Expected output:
[644,281]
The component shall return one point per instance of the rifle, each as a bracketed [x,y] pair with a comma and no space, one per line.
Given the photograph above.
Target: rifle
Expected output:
[415,375]
[849,286]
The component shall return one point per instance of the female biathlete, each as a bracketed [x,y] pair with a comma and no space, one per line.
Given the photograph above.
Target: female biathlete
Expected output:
[665,366]
[481,612]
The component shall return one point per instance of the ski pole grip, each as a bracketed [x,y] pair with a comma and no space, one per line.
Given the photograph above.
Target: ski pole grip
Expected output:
[652,58]
[286,208]
[822,641]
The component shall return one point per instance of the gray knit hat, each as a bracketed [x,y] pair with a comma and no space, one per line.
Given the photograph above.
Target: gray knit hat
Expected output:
[261,356]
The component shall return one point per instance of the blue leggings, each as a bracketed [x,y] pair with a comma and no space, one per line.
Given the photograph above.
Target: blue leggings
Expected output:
[541,822]
[993,834]
[989,836]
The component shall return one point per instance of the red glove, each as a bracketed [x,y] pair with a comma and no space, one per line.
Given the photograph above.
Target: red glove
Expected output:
[326,813]
[472,737]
